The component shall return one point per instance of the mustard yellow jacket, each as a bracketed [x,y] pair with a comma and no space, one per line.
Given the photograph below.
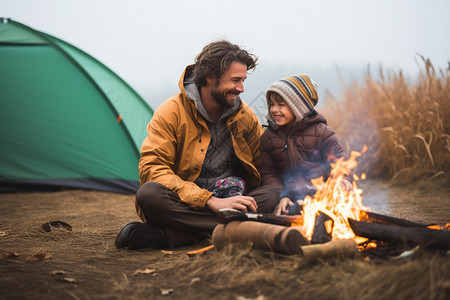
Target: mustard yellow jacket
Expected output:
[173,152]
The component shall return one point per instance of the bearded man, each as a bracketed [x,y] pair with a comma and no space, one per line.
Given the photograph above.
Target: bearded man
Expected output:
[200,155]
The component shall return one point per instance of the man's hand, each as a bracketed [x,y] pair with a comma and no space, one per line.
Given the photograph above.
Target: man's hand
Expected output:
[242,203]
[282,208]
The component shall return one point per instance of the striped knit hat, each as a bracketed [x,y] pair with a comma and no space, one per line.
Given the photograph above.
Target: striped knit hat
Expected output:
[299,92]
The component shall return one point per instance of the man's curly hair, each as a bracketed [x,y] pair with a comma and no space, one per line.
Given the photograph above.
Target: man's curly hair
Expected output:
[217,57]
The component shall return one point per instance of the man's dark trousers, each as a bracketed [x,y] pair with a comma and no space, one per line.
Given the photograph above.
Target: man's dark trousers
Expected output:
[184,225]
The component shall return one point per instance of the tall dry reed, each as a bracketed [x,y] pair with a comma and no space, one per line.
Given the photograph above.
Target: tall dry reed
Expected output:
[406,126]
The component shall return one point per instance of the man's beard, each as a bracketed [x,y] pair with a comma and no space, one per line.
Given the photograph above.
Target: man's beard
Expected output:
[221,96]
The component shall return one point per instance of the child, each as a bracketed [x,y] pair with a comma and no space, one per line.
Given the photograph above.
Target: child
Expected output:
[298,145]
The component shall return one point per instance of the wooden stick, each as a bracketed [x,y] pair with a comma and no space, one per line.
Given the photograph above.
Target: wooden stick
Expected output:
[428,238]
[227,215]
[336,248]
[201,251]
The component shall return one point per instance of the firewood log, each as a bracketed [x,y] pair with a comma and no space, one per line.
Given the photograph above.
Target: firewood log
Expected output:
[322,231]
[428,238]
[336,248]
[276,238]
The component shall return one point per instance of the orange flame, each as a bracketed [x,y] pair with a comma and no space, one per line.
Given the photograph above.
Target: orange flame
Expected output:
[440,227]
[337,198]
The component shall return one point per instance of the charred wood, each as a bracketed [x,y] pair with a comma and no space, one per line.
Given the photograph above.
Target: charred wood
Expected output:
[323,228]
[425,237]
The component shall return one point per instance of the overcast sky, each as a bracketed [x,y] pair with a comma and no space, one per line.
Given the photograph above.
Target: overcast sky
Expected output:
[148,43]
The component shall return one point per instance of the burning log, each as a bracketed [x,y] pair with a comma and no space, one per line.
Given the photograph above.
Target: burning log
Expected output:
[428,238]
[323,227]
[280,239]
[336,248]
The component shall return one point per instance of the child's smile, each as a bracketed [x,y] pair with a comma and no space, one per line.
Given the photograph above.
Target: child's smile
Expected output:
[281,112]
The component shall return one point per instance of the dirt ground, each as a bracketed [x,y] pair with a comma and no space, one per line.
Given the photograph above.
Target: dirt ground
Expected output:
[84,264]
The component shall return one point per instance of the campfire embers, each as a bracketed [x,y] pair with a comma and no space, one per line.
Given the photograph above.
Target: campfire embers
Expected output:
[387,231]
[415,235]
[275,233]
[381,228]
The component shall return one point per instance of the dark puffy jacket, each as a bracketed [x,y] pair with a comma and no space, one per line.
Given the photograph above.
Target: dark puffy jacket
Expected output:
[294,154]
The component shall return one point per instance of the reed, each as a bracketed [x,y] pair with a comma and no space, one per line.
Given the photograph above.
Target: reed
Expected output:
[406,126]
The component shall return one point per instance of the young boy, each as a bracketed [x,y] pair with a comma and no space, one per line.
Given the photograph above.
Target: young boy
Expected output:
[298,145]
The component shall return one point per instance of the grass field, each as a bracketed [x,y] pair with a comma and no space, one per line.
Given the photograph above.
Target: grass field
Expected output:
[84,264]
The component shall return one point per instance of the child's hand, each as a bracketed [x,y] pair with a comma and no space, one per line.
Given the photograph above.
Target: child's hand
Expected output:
[282,208]
[346,185]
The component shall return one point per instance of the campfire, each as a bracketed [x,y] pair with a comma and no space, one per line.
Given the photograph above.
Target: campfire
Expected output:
[333,204]
[333,221]
[335,213]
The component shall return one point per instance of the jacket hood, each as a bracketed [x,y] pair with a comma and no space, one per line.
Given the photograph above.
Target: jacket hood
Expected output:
[189,88]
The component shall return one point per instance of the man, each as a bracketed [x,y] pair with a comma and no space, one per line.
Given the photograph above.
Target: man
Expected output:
[200,155]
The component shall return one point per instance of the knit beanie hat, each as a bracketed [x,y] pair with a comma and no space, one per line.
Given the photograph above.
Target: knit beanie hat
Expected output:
[300,93]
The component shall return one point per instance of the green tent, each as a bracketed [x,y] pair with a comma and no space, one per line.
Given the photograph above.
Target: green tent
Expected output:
[66,120]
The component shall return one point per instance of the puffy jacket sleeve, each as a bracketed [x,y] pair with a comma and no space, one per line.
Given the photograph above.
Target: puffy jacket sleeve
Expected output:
[330,150]
[158,156]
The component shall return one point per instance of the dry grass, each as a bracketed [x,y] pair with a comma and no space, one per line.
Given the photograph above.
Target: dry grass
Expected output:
[252,273]
[405,126]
